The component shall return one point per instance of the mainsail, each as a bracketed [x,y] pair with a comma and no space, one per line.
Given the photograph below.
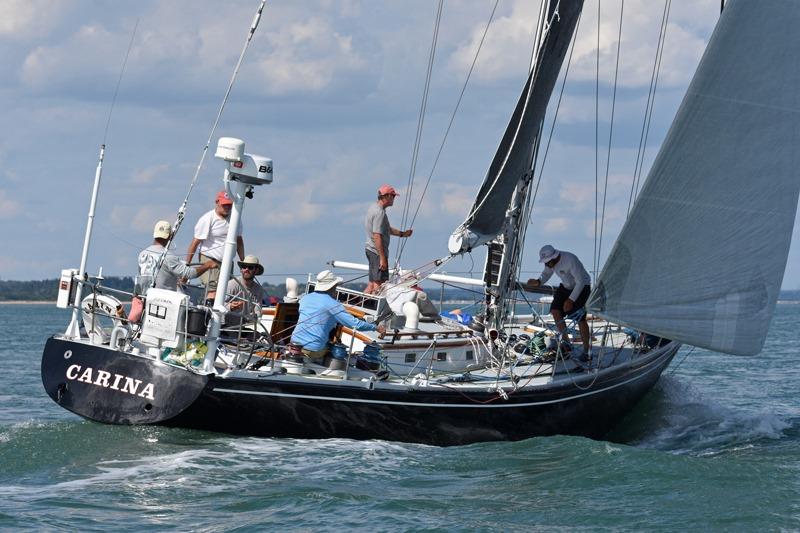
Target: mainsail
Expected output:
[701,257]
[514,155]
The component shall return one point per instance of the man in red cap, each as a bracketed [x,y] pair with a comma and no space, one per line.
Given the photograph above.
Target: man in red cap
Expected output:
[379,231]
[209,235]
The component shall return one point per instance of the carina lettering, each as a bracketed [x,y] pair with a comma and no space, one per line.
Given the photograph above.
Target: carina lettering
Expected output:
[101,378]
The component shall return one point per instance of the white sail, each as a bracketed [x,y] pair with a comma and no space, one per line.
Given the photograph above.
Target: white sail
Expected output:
[702,256]
[513,159]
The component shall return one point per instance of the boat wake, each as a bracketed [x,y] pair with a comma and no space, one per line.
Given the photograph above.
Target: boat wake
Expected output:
[678,418]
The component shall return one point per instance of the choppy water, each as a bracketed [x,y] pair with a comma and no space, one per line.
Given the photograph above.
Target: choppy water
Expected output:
[715,446]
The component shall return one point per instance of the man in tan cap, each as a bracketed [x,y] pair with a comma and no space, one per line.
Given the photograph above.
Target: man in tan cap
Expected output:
[172,268]
[209,236]
[245,294]
[379,231]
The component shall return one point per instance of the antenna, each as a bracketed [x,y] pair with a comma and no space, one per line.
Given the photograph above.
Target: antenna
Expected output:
[182,210]
[73,329]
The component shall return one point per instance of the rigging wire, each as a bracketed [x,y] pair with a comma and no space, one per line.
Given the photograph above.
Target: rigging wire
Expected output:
[610,137]
[555,116]
[596,137]
[648,105]
[119,81]
[420,126]
[452,119]
[182,210]
[652,104]
[513,141]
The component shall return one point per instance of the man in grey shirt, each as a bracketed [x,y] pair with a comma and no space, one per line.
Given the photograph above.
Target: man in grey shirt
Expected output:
[172,269]
[378,229]
[244,294]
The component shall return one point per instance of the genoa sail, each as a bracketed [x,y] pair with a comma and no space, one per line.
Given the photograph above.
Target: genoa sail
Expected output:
[514,156]
[702,256]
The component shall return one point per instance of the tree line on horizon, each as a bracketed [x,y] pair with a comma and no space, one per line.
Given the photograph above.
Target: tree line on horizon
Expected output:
[47,290]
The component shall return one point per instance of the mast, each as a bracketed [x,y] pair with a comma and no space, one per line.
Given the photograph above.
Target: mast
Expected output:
[498,215]
[74,327]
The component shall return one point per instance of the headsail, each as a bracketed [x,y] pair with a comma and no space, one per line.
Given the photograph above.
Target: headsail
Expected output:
[514,155]
[702,255]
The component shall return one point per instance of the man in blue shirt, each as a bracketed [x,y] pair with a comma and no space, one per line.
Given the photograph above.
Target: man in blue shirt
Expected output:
[319,314]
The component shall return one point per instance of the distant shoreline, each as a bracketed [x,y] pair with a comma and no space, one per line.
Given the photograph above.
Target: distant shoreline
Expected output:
[26,302]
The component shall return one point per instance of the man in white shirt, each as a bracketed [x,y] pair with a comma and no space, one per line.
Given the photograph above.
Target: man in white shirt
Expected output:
[571,295]
[209,235]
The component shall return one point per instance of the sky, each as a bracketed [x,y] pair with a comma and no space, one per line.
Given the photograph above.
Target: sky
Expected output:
[331,91]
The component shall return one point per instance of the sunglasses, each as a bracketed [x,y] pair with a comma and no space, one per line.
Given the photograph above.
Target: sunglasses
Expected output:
[248,267]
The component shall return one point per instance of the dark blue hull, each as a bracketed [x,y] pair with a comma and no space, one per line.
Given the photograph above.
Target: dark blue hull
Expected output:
[293,407]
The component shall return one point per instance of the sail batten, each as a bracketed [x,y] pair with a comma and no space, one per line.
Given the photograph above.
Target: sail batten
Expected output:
[512,161]
[702,256]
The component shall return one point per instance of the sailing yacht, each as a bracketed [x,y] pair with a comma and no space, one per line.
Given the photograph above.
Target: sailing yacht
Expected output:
[692,265]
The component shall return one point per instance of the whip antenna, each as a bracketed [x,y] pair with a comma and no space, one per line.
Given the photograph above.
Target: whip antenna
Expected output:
[251,31]
[73,329]
[182,209]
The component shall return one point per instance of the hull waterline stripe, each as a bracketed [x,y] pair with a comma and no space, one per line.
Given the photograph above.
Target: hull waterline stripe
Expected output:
[435,405]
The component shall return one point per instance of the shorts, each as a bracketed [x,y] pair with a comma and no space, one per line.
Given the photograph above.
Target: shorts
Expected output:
[375,272]
[210,277]
[561,295]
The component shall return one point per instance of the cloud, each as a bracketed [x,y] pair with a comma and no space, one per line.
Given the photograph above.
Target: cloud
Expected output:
[308,56]
[86,54]
[148,175]
[500,55]
[455,200]
[140,218]
[30,19]
[8,208]
[509,35]
[557,225]
[190,60]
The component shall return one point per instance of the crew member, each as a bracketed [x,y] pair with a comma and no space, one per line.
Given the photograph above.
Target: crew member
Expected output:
[209,236]
[379,231]
[571,295]
[319,314]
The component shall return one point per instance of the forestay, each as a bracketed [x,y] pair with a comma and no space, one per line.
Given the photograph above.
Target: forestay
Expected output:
[702,256]
[514,155]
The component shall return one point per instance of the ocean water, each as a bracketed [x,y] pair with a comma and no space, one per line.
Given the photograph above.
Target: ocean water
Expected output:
[715,446]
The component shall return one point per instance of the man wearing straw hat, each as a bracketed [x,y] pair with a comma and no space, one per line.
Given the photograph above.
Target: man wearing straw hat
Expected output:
[319,314]
[245,294]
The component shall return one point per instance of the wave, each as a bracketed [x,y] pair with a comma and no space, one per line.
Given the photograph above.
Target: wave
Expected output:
[677,417]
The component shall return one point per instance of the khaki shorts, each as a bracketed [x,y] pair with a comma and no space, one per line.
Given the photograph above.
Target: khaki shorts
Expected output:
[317,356]
[210,277]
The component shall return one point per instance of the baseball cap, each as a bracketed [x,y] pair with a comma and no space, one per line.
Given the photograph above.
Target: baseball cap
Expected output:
[162,230]
[223,198]
[387,189]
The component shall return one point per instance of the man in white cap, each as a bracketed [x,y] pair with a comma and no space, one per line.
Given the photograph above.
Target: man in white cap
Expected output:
[319,314]
[571,295]
[379,232]
[245,294]
[210,233]
[172,269]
